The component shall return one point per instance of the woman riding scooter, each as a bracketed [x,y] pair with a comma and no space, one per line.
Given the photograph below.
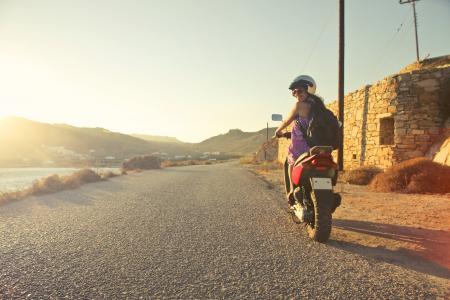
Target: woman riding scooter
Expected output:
[320,128]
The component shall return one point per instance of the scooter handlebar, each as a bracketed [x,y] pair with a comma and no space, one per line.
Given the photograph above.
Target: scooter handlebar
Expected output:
[286,135]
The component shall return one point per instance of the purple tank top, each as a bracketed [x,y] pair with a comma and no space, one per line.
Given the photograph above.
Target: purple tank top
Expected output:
[298,144]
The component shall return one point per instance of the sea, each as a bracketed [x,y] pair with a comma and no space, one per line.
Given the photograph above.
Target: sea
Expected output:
[12,179]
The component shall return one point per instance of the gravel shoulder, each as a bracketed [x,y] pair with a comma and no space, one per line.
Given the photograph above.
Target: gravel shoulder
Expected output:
[410,230]
[191,232]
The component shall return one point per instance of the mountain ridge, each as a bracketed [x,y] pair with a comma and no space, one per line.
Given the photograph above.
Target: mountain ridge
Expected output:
[156,138]
[28,142]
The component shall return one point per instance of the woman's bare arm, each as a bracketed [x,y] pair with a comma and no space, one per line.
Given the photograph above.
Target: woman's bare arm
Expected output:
[291,117]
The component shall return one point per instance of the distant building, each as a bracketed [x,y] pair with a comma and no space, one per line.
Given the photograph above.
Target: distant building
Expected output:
[62,152]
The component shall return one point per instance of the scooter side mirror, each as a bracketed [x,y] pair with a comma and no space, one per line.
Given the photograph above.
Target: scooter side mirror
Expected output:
[277,117]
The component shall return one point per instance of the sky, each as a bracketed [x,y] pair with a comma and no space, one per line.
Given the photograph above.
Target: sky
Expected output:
[196,68]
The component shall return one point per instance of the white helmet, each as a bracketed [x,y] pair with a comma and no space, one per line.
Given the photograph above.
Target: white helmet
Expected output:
[304,81]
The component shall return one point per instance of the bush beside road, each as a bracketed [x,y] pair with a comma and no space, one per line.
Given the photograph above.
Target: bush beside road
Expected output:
[56,183]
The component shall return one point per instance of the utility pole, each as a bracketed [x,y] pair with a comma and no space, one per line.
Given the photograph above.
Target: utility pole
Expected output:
[413,2]
[267,139]
[341,84]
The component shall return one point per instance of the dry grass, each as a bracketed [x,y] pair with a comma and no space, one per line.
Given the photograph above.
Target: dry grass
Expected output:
[110,174]
[247,160]
[266,167]
[361,176]
[419,175]
[144,162]
[190,162]
[54,183]
[180,163]
[6,197]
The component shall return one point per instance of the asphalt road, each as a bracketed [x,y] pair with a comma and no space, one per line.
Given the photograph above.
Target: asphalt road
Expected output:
[192,232]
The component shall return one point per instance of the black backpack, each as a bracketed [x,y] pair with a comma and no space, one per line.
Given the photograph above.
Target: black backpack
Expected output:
[323,130]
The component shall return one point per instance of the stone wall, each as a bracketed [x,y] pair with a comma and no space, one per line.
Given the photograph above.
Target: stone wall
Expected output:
[395,119]
[366,111]
[283,145]
[268,151]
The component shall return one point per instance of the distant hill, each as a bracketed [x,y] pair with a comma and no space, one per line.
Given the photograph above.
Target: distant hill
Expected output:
[25,141]
[30,143]
[236,141]
[156,138]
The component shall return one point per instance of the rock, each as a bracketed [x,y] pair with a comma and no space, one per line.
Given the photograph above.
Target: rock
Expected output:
[400,131]
[428,84]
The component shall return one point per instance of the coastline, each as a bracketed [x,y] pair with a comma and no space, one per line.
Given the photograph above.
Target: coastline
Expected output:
[17,178]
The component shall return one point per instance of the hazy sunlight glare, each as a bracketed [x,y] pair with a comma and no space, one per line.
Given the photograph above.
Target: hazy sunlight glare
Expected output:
[181,68]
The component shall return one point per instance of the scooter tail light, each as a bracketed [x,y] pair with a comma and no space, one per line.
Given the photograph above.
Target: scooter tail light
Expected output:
[322,162]
[306,166]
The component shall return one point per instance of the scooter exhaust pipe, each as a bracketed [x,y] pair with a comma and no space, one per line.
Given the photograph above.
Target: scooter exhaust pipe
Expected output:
[298,195]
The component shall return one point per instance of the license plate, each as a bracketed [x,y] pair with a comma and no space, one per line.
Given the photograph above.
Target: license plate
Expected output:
[321,183]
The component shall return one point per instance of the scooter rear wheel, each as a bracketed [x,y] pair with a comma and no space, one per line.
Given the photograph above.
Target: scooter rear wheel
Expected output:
[320,229]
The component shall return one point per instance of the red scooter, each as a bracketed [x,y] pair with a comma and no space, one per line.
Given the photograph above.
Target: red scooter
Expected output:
[310,189]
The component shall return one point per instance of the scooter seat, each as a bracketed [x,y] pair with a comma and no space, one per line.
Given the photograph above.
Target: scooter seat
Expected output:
[301,158]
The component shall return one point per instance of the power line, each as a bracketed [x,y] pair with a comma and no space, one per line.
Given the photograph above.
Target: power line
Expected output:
[324,26]
[407,29]
[406,32]
[388,44]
